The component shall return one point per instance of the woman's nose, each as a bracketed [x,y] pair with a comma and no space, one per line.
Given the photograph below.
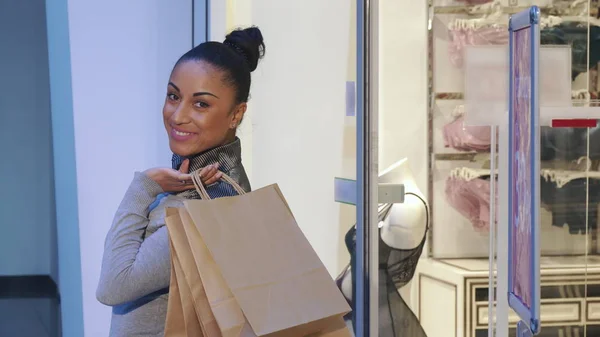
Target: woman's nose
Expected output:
[180,116]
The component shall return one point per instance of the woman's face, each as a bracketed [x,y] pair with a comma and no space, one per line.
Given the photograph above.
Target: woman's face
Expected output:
[200,111]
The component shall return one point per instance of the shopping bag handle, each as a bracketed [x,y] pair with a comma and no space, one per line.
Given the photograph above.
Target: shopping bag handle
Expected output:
[202,190]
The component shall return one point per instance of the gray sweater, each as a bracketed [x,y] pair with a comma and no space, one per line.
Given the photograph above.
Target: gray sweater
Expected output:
[136,266]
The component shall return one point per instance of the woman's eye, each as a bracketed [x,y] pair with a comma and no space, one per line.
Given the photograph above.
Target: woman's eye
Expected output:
[172,97]
[201,105]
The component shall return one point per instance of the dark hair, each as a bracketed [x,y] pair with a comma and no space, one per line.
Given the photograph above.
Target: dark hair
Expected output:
[237,56]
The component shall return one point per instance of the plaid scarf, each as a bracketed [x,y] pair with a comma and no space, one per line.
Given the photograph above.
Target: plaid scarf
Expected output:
[229,158]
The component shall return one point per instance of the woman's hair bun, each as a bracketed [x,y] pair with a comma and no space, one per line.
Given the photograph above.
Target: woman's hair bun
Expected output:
[248,43]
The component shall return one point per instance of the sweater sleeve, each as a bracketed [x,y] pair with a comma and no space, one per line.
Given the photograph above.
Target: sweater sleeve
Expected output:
[134,266]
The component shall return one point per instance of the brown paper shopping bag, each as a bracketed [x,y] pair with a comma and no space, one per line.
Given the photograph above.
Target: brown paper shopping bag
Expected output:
[186,278]
[174,325]
[181,315]
[262,257]
[190,317]
[225,309]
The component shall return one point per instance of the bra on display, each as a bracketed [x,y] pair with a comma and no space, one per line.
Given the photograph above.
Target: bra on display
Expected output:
[555,143]
[573,204]
[572,201]
[475,2]
[569,33]
[462,137]
[460,37]
[471,198]
[569,144]
[396,268]
[576,36]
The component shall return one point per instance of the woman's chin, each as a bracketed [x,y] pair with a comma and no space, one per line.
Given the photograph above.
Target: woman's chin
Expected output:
[181,151]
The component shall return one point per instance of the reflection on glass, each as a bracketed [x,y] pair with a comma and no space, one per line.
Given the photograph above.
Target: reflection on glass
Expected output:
[29,298]
[402,236]
[454,278]
[520,208]
[402,228]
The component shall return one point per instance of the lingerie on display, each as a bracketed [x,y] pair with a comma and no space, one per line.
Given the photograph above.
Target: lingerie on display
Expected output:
[576,36]
[572,202]
[462,137]
[566,33]
[575,204]
[569,143]
[396,268]
[475,2]
[565,144]
[461,37]
[471,198]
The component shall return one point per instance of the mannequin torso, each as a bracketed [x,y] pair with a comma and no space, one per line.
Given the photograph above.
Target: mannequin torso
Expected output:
[402,232]
[406,223]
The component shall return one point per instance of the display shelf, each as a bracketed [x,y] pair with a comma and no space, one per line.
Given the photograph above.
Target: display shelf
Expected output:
[547,7]
[452,235]
[474,10]
[453,280]
[462,156]
[449,96]
[453,296]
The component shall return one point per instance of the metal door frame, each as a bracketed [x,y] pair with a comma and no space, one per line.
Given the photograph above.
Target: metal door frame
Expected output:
[367,235]
[200,21]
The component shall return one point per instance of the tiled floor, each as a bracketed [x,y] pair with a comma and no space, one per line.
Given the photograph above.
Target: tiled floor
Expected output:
[29,318]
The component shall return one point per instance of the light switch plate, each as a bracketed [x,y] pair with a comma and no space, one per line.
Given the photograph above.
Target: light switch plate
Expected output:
[345,192]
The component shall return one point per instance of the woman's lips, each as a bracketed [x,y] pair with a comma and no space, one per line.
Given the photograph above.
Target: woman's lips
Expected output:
[180,135]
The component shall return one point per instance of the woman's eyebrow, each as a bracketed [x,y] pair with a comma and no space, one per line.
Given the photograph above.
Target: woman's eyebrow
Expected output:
[203,93]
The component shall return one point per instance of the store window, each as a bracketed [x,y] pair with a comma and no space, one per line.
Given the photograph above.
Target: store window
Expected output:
[467,48]
[29,304]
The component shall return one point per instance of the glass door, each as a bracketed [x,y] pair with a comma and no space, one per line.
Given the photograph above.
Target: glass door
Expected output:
[468,43]
[393,209]
[366,264]
[29,296]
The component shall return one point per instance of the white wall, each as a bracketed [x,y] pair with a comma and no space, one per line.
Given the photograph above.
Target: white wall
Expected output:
[300,137]
[122,53]
[298,106]
[403,85]
[63,143]
[28,240]
[294,130]
[298,111]
[403,93]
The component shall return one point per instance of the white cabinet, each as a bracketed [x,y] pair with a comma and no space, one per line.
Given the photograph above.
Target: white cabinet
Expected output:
[452,297]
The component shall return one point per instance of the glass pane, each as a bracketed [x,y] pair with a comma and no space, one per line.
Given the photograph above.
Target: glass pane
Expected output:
[301,121]
[565,162]
[28,249]
[402,139]
[467,63]
[345,174]
[465,57]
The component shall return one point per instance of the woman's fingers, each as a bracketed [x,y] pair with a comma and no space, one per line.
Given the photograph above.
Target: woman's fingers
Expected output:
[185,166]
[183,187]
[184,177]
[205,173]
[214,178]
[181,180]
[210,174]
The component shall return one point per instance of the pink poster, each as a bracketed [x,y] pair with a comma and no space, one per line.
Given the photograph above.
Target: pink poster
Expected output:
[521,182]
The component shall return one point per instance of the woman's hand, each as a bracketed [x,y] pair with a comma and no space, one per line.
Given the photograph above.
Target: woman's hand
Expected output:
[171,180]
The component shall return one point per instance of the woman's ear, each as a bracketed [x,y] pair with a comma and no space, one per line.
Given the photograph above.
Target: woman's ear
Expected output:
[238,115]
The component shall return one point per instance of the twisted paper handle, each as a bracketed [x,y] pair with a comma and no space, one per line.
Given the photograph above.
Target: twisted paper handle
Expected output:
[197,180]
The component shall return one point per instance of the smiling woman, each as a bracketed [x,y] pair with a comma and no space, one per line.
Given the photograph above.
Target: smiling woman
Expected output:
[205,102]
